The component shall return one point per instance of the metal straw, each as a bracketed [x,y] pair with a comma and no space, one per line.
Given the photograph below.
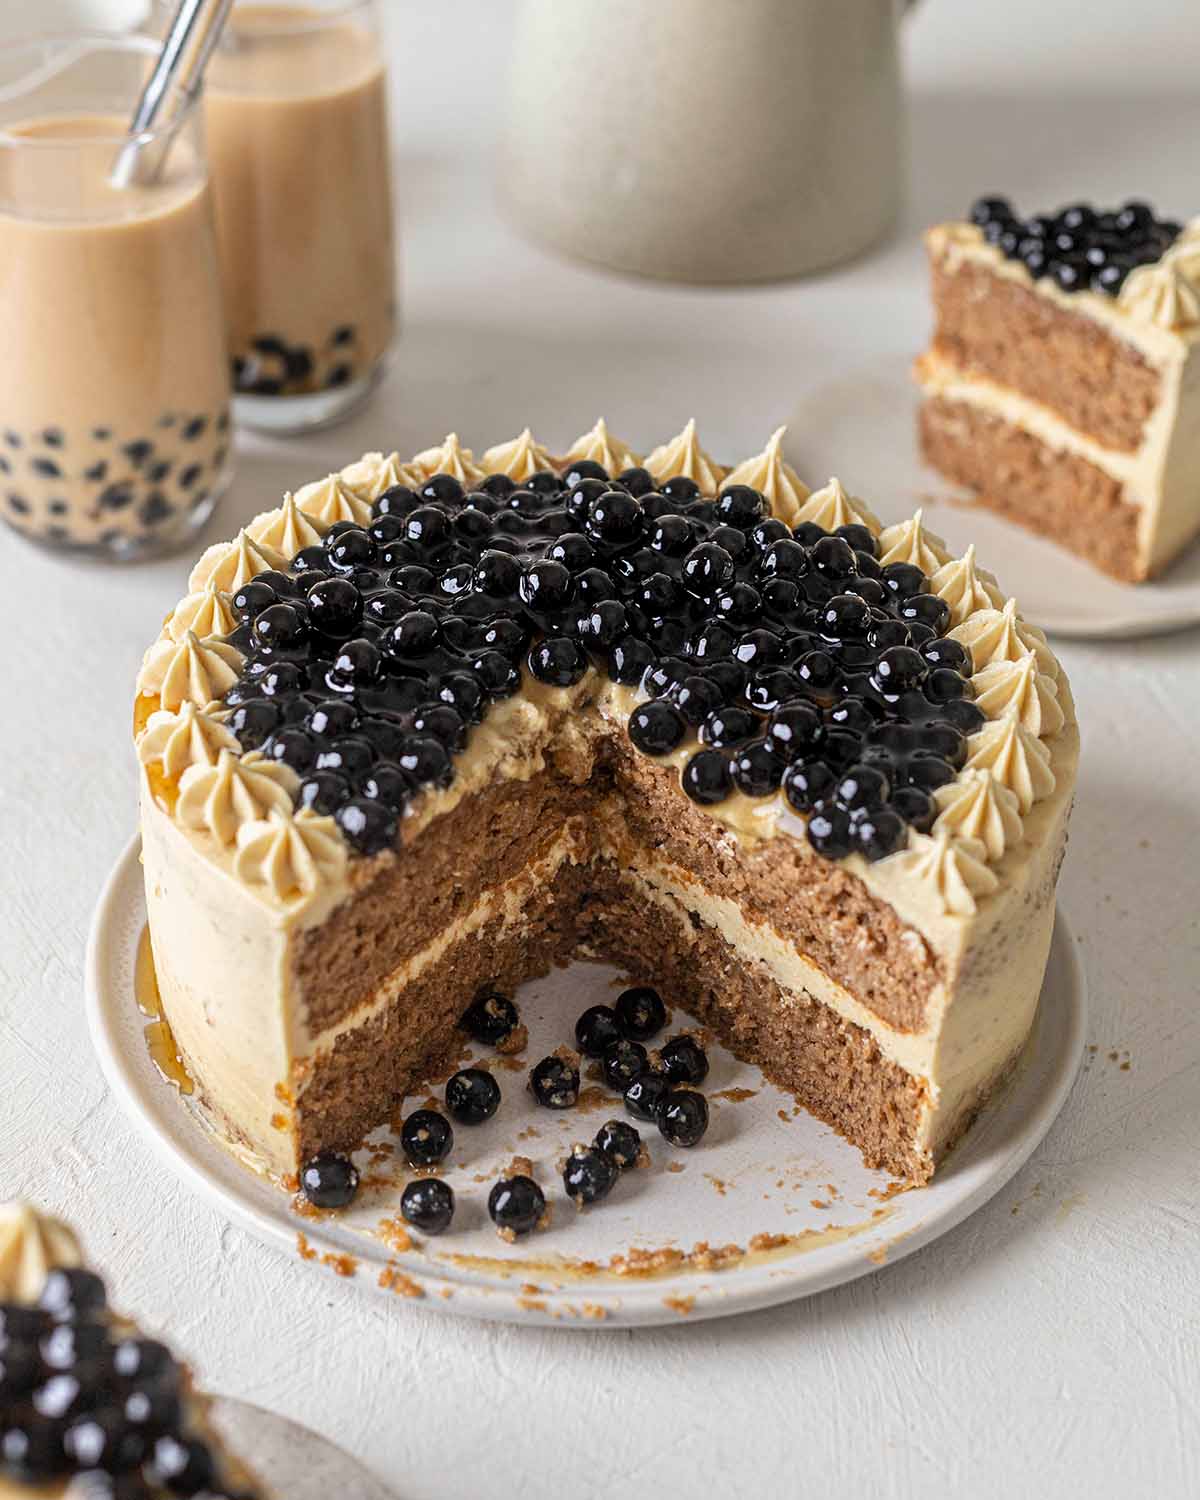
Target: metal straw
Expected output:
[176,79]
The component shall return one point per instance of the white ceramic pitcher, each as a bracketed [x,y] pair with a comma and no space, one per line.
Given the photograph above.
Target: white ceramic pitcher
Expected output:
[706,140]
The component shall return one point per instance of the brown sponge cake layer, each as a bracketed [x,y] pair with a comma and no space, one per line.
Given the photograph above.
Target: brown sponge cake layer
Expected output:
[1058,495]
[834,1068]
[993,326]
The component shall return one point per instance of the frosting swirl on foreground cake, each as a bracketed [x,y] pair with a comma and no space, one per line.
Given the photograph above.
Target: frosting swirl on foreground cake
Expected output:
[796,675]
[89,1407]
[804,666]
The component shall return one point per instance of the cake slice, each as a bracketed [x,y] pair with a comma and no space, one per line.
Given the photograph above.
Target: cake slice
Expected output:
[1062,383]
[90,1407]
[808,775]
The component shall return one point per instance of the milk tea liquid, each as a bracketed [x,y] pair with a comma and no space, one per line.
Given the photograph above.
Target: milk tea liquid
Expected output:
[114,381]
[298,146]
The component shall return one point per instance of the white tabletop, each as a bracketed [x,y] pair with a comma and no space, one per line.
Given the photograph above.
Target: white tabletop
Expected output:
[1048,1345]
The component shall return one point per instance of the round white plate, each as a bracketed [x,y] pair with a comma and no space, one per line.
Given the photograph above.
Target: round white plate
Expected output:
[296,1462]
[765,1168]
[863,428]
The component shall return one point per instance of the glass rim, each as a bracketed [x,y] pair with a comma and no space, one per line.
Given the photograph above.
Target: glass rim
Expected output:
[64,43]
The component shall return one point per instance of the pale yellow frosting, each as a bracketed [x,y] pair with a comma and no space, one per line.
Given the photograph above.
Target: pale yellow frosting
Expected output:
[992,635]
[519,459]
[1162,293]
[189,737]
[229,565]
[831,507]
[772,476]
[1018,688]
[32,1244]
[1015,757]
[333,499]
[209,611]
[601,447]
[965,587]
[290,854]
[949,869]
[977,806]
[910,542]
[189,671]
[450,458]
[287,528]
[683,457]
[220,798]
[370,475]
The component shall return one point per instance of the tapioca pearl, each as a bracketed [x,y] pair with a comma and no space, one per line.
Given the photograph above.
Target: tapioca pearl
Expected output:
[167,419]
[299,363]
[59,507]
[187,477]
[96,472]
[194,428]
[157,472]
[56,533]
[339,375]
[13,439]
[46,467]
[223,421]
[18,505]
[138,451]
[101,434]
[5,466]
[343,335]
[154,509]
[53,437]
[116,496]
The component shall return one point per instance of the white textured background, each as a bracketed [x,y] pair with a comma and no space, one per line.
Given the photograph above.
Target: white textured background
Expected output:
[1049,1345]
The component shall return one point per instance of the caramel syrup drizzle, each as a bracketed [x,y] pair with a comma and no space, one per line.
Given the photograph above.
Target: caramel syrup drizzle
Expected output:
[160,1039]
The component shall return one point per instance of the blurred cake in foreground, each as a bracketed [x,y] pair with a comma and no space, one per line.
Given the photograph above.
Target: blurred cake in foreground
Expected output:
[90,1408]
[433,726]
[1062,383]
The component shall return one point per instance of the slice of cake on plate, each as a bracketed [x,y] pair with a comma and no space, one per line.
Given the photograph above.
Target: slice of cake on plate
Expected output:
[435,726]
[1062,383]
[90,1407]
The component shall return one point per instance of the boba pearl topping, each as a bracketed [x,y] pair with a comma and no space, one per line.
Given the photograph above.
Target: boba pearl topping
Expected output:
[87,1404]
[792,664]
[1079,247]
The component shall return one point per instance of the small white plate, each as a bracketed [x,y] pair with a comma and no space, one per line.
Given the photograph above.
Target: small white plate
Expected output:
[297,1463]
[863,428]
[764,1168]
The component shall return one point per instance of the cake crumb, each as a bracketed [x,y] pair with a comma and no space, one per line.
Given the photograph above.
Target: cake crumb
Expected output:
[878,1257]
[532,1304]
[284,1094]
[394,1233]
[520,1166]
[279,1122]
[681,1305]
[719,1183]
[510,1064]
[530,1288]
[883,1194]
[341,1265]
[591,1099]
[305,1250]
[393,1279]
[766,1241]
[516,1040]
[674,1166]
[594,1311]
[818,1203]
[735,1095]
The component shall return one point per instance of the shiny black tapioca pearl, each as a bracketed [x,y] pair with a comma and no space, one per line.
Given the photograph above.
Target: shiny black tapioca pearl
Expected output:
[736,543]
[673,535]
[636,480]
[554,1082]
[818,671]
[904,579]
[588,1175]
[443,723]
[645,1094]
[183,1465]
[707,568]
[915,806]
[461,692]
[252,598]
[426,1137]
[368,826]
[573,550]
[31,1448]
[283,626]
[623,1061]
[706,778]
[603,624]
[657,727]
[516,1205]
[503,634]
[680,489]
[412,637]
[783,559]
[861,787]
[388,783]
[581,496]
[712,641]
[729,726]
[335,607]
[759,647]
[683,1060]
[398,500]
[833,557]
[739,604]
[558,660]
[329,1180]
[769,687]
[596,1030]
[441,490]
[491,1018]
[755,769]
[323,792]
[640,1013]
[682,1117]
[900,668]
[496,674]
[472,1096]
[546,586]
[357,664]
[923,770]
[20,1371]
[70,1292]
[583,468]
[381,608]
[620,1142]
[830,832]
[795,729]
[880,831]
[426,761]
[740,506]
[926,609]
[332,717]
[614,517]
[695,698]
[254,722]
[845,617]
[428,1205]
[351,754]
[808,783]
[103,1440]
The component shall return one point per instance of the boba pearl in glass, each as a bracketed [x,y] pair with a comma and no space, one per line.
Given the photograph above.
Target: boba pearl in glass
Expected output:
[298,138]
[114,387]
